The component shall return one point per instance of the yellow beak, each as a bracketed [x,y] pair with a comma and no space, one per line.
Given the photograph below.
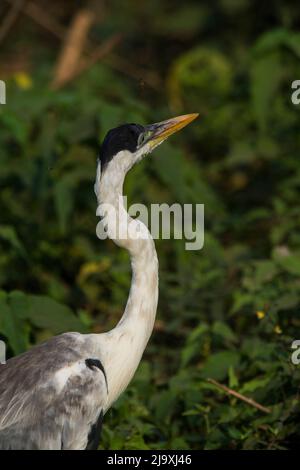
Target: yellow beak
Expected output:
[161,130]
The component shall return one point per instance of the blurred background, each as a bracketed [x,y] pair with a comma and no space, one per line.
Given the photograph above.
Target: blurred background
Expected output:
[227,314]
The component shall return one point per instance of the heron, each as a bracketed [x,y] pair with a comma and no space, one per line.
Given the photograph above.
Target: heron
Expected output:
[54,396]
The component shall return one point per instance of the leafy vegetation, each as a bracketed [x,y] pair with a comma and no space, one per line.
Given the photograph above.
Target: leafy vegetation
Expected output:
[228,312]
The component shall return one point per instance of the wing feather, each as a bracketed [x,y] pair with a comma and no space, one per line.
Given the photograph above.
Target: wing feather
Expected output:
[49,397]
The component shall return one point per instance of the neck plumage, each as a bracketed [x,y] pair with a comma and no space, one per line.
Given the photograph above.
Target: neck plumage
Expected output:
[125,344]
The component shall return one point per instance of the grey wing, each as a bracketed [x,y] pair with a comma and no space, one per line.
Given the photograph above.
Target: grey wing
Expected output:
[52,397]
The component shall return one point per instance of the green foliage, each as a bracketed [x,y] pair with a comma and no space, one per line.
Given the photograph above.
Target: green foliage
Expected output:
[19,313]
[228,312]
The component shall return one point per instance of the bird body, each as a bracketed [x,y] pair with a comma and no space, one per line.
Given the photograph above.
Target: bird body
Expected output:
[54,396]
[46,392]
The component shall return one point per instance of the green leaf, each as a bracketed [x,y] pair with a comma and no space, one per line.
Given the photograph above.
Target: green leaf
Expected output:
[290,263]
[164,406]
[223,330]
[276,38]
[45,312]
[241,300]
[136,442]
[18,302]
[193,345]
[233,380]
[265,271]
[217,364]
[9,234]
[12,325]
[254,384]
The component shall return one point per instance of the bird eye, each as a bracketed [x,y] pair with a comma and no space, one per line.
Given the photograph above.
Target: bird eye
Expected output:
[143,138]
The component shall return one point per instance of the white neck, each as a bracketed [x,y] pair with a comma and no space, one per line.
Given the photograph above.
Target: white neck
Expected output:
[125,344]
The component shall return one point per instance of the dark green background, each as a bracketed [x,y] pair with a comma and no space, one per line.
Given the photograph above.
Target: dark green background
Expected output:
[233,61]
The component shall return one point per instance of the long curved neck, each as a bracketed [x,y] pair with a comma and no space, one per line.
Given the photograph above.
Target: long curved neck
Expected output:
[125,344]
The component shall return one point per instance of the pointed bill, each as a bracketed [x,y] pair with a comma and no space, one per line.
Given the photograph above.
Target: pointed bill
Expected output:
[162,130]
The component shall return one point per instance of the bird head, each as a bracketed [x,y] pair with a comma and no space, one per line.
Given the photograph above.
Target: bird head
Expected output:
[125,145]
